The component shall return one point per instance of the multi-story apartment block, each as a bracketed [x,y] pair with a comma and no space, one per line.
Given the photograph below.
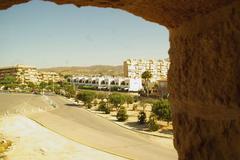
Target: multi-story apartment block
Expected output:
[49,77]
[133,68]
[25,74]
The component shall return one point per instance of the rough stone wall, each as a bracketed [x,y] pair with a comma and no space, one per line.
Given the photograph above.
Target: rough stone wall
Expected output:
[204,83]
[170,13]
[204,76]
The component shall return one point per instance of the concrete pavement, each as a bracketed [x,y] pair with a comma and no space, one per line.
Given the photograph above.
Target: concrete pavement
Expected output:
[31,141]
[89,129]
[19,103]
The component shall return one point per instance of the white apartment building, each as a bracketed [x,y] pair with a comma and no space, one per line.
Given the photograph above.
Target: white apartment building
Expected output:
[128,84]
[133,68]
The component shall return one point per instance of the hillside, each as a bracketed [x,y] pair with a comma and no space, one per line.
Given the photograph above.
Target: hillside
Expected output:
[88,70]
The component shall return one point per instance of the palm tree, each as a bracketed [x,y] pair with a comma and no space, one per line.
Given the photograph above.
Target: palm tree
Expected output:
[146,76]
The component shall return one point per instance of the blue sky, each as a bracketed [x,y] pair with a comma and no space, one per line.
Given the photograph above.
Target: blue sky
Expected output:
[47,35]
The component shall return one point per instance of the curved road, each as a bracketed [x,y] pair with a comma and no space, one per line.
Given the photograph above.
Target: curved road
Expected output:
[89,129]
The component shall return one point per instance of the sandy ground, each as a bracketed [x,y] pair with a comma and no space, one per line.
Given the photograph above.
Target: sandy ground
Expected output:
[34,142]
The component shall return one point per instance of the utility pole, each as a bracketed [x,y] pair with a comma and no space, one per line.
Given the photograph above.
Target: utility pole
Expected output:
[53,84]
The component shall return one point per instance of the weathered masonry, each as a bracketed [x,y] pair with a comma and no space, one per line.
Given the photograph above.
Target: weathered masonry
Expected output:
[204,76]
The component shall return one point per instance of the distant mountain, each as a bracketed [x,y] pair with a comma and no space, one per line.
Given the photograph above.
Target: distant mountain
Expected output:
[88,70]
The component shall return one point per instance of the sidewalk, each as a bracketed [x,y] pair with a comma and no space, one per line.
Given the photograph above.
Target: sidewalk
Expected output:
[131,120]
[112,118]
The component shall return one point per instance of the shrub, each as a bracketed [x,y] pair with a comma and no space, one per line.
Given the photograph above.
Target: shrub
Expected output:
[136,98]
[117,99]
[142,117]
[129,99]
[9,82]
[102,96]
[87,87]
[152,123]
[122,114]
[135,106]
[162,109]
[142,93]
[107,110]
[89,105]
[70,91]
[87,97]
[114,88]
[104,107]
[95,102]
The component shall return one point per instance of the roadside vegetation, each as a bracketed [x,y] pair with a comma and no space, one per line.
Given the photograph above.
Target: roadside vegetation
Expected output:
[146,76]
[148,112]
[87,97]
[152,123]
[142,117]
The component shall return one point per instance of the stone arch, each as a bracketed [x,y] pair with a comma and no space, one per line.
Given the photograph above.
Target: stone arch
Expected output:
[94,81]
[87,81]
[113,82]
[74,80]
[204,73]
[123,83]
[80,80]
[103,82]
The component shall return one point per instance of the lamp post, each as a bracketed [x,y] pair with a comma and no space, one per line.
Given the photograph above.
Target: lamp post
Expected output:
[53,84]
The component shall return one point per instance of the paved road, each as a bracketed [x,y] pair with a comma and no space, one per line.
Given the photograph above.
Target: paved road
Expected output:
[12,103]
[91,130]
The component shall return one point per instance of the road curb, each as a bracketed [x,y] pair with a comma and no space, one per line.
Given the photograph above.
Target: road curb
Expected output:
[130,129]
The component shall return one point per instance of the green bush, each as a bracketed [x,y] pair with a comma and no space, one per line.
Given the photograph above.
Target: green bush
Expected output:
[95,102]
[104,107]
[122,114]
[117,99]
[9,82]
[152,123]
[102,96]
[89,105]
[87,97]
[107,110]
[70,91]
[142,117]
[136,98]
[114,88]
[129,99]
[162,109]
[87,87]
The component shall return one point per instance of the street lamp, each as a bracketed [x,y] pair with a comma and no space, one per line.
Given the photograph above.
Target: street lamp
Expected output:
[53,84]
